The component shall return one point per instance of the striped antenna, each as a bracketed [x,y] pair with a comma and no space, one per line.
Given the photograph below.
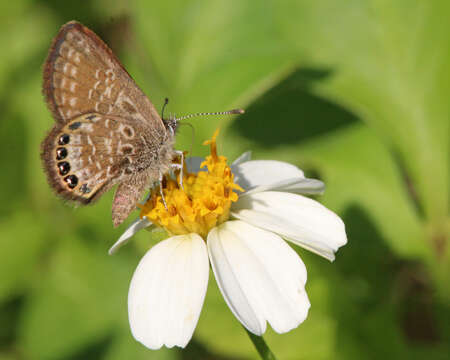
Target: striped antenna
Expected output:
[234,111]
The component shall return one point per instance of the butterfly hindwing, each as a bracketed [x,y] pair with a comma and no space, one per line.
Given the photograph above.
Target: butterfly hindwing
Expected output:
[86,156]
[127,195]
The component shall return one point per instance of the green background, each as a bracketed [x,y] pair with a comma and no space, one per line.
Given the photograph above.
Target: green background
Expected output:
[355,92]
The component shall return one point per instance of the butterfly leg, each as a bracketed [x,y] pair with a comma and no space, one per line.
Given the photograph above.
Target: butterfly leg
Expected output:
[180,166]
[161,178]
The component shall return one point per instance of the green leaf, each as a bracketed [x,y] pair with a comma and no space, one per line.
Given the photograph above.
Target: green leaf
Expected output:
[390,66]
[126,347]
[20,41]
[21,245]
[78,303]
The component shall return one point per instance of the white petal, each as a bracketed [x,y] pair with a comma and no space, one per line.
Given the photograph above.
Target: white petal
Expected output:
[167,292]
[297,218]
[303,186]
[243,158]
[260,276]
[264,172]
[294,185]
[137,225]
[193,164]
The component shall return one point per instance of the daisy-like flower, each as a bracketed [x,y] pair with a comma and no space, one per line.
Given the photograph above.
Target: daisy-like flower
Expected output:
[237,219]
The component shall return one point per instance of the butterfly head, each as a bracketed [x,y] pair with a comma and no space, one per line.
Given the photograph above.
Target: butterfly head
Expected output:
[171,123]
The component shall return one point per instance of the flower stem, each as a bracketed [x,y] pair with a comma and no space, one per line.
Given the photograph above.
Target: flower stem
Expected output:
[261,346]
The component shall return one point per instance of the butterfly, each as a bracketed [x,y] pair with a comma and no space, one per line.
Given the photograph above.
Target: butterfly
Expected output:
[106,130]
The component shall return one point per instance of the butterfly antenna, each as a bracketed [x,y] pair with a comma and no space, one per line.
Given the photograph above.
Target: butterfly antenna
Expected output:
[166,101]
[234,111]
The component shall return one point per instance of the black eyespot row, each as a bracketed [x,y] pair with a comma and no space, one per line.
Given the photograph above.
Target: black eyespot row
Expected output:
[61,153]
[64,167]
[71,180]
[64,139]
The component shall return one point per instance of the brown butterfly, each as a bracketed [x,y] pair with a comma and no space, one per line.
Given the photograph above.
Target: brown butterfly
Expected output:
[107,131]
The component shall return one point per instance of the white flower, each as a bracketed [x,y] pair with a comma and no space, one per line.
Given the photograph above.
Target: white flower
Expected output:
[261,278]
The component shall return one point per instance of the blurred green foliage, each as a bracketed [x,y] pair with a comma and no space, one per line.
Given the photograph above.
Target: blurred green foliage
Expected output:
[355,92]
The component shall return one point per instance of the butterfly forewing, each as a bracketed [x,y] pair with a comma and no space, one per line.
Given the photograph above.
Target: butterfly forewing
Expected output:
[81,75]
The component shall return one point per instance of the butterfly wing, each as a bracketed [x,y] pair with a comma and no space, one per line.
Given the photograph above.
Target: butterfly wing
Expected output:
[127,195]
[89,154]
[82,75]
[104,115]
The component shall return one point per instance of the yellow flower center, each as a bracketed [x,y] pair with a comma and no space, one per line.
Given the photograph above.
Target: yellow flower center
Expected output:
[204,202]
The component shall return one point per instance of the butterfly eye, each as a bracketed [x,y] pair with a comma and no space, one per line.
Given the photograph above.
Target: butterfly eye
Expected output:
[64,139]
[61,153]
[71,180]
[64,167]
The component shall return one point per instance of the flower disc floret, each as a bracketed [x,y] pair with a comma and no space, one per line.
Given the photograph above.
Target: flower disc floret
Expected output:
[203,203]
